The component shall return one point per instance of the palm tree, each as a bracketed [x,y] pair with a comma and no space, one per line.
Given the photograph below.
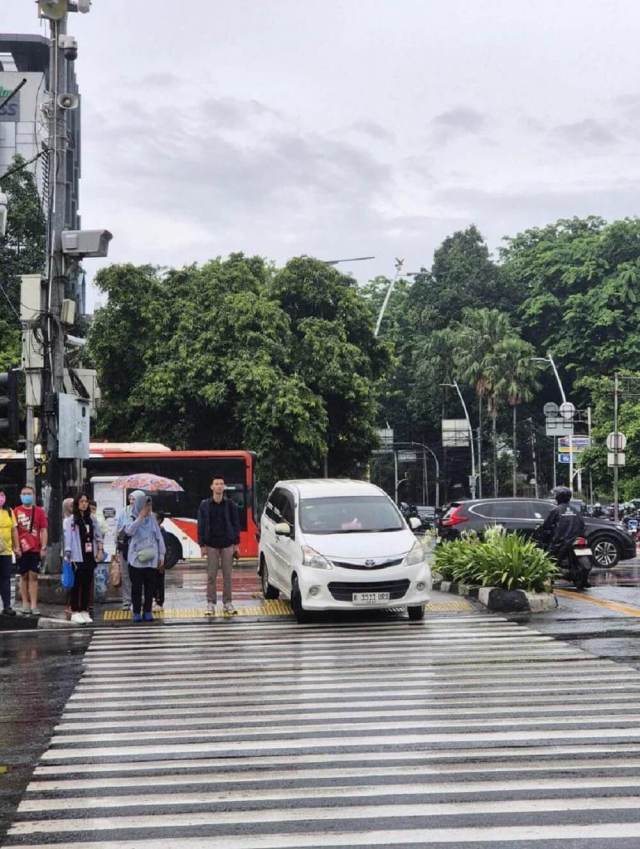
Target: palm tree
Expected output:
[478,362]
[517,382]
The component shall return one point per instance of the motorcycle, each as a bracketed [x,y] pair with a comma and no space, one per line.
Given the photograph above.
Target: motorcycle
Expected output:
[574,560]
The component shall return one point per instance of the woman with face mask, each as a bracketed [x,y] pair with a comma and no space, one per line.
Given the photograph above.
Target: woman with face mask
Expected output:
[32,536]
[9,545]
[82,546]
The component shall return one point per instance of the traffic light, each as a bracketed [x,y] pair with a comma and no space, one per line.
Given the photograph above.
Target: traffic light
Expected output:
[9,411]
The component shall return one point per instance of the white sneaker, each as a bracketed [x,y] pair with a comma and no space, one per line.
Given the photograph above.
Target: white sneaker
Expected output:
[211,609]
[85,615]
[78,619]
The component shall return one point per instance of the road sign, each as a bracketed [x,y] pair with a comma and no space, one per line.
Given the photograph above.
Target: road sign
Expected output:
[385,437]
[616,441]
[567,410]
[455,433]
[550,409]
[611,458]
[407,456]
[576,443]
[557,426]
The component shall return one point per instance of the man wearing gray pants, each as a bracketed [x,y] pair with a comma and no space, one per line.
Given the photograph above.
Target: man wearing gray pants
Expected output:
[219,538]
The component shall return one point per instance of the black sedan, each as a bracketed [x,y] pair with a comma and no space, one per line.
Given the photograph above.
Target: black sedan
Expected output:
[609,542]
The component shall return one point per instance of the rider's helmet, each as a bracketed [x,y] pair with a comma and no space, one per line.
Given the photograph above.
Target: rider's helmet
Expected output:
[562,494]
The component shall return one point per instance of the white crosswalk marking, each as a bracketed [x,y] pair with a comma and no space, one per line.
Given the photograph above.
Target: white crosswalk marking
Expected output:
[453,732]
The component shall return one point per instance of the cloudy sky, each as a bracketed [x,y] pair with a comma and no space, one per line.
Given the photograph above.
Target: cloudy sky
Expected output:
[341,128]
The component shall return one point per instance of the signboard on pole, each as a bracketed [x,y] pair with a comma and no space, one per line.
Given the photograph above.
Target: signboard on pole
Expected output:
[385,437]
[557,426]
[455,433]
[407,456]
[616,441]
[621,458]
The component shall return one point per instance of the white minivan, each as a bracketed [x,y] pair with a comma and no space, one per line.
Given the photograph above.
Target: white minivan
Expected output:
[338,545]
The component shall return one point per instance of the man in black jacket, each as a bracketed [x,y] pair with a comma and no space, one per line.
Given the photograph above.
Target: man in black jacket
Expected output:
[219,539]
[563,525]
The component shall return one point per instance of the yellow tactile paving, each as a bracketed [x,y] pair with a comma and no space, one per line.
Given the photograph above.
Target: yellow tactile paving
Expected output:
[626,609]
[267,608]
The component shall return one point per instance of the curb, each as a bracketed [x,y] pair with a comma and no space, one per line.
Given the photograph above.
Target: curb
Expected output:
[501,601]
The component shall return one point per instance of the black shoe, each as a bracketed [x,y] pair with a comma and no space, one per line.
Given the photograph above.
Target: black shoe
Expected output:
[9,611]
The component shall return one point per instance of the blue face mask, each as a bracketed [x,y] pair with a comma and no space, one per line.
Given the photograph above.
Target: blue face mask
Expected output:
[27,499]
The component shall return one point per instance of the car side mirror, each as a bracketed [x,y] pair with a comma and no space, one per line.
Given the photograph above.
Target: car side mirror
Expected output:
[282,529]
[414,523]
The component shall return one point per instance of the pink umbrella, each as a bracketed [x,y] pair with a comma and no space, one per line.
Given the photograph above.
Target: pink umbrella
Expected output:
[147,483]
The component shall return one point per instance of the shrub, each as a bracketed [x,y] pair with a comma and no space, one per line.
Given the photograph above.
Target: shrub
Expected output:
[502,560]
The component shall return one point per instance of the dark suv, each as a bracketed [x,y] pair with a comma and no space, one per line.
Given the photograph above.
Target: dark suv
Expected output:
[608,542]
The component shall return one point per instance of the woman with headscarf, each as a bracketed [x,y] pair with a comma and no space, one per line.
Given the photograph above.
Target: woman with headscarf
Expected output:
[82,546]
[145,555]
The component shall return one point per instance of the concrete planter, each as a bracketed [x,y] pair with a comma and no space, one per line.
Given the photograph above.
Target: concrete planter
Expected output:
[499,600]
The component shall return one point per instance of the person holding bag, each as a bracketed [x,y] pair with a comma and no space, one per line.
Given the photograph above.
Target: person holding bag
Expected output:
[82,547]
[145,556]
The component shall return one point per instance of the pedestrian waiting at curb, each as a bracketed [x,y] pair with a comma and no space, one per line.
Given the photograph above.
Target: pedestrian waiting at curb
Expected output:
[219,540]
[83,547]
[122,544]
[145,556]
[33,538]
[9,546]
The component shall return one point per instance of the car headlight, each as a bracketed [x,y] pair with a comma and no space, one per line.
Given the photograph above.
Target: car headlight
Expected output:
[415,555]
[313,558]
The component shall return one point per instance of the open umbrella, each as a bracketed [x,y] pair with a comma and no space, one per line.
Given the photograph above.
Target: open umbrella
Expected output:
[147,483]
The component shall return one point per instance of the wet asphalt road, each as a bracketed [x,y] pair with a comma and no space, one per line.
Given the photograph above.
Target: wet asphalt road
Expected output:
[38,672]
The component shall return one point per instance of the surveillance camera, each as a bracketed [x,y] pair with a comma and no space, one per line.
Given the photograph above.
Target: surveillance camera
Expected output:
[69,45]
[68,101]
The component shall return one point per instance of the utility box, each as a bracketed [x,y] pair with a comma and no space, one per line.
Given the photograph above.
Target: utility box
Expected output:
[73,427]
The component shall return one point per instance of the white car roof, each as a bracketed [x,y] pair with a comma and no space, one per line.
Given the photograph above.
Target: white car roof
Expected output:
[331,487]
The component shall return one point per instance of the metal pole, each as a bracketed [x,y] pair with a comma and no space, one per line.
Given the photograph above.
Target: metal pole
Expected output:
[480,447]
[30,438]
[555,478]
[425,486]
[392,283]
[616,495]
[473,453]
[395,474]
[590,473]
[555,371]
[53,372]
[514,477]
[535,458]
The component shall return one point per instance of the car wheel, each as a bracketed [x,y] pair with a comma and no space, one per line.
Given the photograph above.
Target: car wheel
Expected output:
[299,612]
[416,612]
[605,552]
[268,590]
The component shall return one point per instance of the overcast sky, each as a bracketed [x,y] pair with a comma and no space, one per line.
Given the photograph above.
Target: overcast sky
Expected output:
[341,128]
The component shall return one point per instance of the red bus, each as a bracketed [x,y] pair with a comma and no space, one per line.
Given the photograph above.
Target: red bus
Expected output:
[193,470]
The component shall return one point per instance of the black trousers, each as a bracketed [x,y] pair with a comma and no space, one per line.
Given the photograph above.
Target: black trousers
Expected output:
[80,593]
[159,591]
[142,579]
[6,567]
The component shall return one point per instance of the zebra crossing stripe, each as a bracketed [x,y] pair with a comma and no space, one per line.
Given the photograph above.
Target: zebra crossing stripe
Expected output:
[271,736]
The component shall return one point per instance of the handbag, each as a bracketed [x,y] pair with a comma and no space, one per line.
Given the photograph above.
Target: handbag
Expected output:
[68,575]
[115,573]
[145,555]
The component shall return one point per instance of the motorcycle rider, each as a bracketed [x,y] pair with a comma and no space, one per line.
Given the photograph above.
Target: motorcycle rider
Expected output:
[562,526]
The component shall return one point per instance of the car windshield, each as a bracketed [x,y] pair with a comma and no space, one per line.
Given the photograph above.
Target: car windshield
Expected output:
[349,514]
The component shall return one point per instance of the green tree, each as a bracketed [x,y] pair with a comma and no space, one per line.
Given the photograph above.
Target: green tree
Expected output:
[335,354]
[22,251]
[517,384]
[234,354]
[579,281]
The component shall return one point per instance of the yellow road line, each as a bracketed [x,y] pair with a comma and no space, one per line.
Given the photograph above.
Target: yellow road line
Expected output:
[267,608]
[627,609]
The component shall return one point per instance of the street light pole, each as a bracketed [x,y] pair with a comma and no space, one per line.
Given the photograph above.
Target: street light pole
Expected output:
[473,453]
[399,264]
[425,448]
[549,359]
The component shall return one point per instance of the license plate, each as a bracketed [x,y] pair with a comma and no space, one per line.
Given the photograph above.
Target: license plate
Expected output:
[582,552]
[369,598]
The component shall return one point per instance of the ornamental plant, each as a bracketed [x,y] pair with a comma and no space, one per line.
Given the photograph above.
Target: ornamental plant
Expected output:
[507,561]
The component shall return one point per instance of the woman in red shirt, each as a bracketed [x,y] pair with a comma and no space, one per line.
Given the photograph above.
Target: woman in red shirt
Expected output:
[32,536]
